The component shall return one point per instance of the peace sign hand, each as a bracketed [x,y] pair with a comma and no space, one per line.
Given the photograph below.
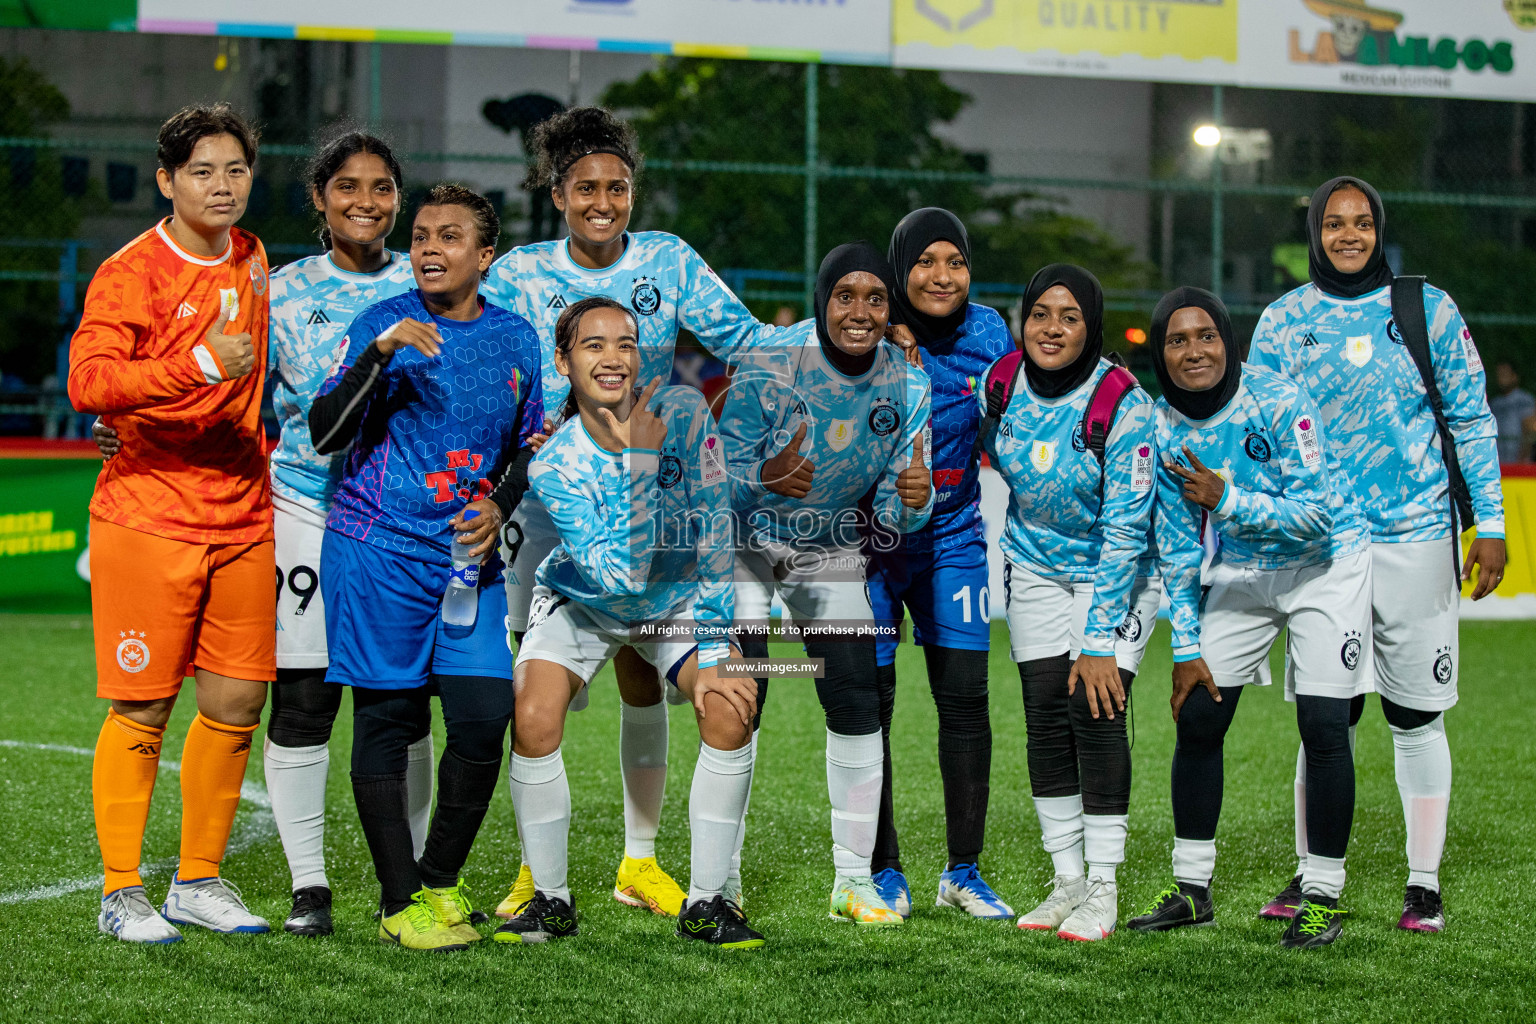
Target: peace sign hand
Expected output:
[1201,485]
[643,428]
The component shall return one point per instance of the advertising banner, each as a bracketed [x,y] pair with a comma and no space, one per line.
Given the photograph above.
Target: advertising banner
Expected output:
[835,31]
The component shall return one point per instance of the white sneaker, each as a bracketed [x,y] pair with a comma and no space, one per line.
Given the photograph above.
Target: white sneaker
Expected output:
[1066,893]
[1095,917]
[126,914]
[211,903]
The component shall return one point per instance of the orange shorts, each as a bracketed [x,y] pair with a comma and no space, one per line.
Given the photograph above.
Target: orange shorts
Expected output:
[162,607]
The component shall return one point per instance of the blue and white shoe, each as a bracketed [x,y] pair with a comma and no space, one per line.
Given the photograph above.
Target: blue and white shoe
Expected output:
[211,903]
[962,886]
[126,914]
[893,888]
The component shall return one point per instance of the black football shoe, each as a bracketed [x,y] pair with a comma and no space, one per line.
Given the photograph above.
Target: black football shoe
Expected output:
[719,922]
[1318,922]
[544,918]
[311,914]
[1177,906]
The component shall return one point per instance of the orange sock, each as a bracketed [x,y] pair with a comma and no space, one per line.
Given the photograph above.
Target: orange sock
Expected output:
[212,768]
[122,781]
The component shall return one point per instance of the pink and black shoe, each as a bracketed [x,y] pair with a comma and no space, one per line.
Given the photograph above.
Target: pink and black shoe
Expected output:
[1422,911]
[1283,906]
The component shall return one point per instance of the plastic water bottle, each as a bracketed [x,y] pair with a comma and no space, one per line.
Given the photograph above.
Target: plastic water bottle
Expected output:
[461,600]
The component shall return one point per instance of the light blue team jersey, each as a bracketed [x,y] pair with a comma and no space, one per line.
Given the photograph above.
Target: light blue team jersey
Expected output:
[644,536]
[1286,505]
[1070,519]
[660,277]
[957,365]
[313,301]
[859,436]
[1350,356]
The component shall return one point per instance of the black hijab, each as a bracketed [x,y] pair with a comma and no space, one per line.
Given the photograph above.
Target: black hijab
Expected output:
[846,259]
[1375,274]
[916,232]
[1197,405]
[1090,299]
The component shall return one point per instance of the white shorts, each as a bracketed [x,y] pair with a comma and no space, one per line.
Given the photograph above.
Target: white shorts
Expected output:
[1046,618]
[298,531]
[1415,603]
[526,540]
[1324,609]
[815,584]
[583,640]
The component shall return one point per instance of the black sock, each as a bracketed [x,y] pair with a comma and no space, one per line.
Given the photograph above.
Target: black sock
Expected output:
[1324,726]
[1103,753]
[887,845]
[381,807]
[1049,746]
[1198,763]
[464,791]
[958,679]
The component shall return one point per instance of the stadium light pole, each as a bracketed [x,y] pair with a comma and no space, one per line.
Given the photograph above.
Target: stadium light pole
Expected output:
[812,182]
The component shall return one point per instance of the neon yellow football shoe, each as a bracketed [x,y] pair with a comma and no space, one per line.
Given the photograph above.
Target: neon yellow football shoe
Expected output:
[642,883]
[517,899]
[857,900]
[417,927]
[451,906]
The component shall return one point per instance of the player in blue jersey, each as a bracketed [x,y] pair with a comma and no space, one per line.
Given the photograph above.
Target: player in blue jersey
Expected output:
[1081,595]
[1293,555]
[939,573]
[356,186]
[1339,337]
[586,158]
[437,393]
[638,491]
[826,433]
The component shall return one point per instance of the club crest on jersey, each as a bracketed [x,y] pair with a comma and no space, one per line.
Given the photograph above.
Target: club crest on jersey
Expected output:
[713,457]
[1079,442]
[258,276]
[1256,447]
[132,652]
[1130,629]
[1357,349]
[1444,666]
[883,419]
[1307,443]
[1395,333]
[1141,474]
[839,434]
[670,472]
[1042,455]
[1349,654]
[645,299]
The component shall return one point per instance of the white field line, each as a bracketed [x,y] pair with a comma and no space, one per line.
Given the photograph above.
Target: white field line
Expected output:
[251,830]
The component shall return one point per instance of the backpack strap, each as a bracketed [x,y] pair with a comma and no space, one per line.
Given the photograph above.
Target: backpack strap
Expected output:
[1099,418]
[1408,312]
[1001,378]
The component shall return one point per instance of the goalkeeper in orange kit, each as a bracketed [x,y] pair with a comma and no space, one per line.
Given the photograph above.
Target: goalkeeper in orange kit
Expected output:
[171,351]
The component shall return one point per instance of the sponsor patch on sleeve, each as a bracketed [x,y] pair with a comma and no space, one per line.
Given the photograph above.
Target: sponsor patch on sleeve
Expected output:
[1307,443]
[1469,347]
[712,458]
[1141,468]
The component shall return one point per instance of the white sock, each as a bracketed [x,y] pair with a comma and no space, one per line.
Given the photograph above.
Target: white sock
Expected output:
[1194,861]
[1423,761]
[419,785]
[1324,877]
[541,797]
[643,763]
[722,779]
[1104,844]
[854,768]
[296,779]
[733,878]
[1301,800]
[1061,832]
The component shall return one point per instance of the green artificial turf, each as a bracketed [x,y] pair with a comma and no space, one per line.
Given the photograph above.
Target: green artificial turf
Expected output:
[626,964]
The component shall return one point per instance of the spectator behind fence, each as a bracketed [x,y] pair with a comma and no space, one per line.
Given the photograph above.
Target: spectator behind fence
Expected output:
[1514,410]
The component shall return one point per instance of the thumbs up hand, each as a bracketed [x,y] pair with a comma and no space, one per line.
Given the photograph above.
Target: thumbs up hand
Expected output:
[915,483]
[789,473]
[234,352]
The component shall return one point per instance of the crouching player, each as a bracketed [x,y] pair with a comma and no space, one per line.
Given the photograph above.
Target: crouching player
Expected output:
[637,490]
[172,350]
[1293,555]
[814,424]
[438,393]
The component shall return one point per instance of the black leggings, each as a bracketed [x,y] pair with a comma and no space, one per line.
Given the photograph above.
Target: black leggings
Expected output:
[303,709]
[1198,767]
[1069,750]
[476,713]
[847,689]
[958,681]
